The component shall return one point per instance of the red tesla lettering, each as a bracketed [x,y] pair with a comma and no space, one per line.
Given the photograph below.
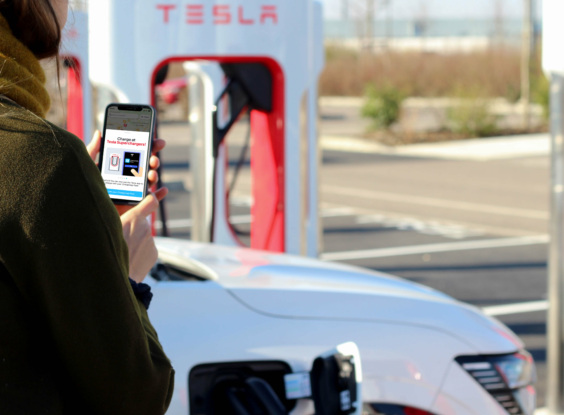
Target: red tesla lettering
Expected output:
[221,14]
[194,14]
[242,19]
[166,8]
[268,12]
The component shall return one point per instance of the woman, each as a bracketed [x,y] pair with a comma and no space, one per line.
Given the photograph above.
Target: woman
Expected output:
[75,337]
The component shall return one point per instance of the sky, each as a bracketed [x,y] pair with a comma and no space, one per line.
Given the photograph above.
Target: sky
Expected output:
[408,9]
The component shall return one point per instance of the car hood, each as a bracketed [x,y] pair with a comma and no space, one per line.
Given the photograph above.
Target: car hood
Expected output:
[289,286]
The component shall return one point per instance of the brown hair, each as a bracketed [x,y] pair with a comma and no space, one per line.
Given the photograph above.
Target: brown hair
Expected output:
[34,23]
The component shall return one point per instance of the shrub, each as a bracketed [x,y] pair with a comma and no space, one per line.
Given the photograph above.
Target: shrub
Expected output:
[540,92]
[382,105]
[423,74]
[470,114]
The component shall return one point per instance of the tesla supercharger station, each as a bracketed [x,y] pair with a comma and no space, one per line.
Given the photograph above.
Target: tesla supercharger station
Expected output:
[271,54]
[75,54]
[553,65]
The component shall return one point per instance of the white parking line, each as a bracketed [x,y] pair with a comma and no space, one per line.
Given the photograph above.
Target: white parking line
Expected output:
[516,308]
[440,203]
[429,248]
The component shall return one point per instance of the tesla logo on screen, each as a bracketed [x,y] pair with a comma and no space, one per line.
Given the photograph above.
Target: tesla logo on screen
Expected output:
[196,14]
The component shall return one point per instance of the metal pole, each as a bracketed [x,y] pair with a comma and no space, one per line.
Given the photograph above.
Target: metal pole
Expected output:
[389,29]
[498,22]
[370,25]
[555,329]
[345,10]
[526,62]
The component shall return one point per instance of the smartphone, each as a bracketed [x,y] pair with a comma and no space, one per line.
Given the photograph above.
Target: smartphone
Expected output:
[127,139]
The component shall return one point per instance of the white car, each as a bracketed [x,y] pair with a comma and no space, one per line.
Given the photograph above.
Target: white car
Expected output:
[224,314]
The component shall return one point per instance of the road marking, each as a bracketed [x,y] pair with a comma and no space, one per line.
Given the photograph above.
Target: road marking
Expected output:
[440,203]
[425,227]
[476,227]
[335,212]
[516,308]
[429,248]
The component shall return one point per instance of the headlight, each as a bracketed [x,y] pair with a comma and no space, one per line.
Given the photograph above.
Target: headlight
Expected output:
[508,378]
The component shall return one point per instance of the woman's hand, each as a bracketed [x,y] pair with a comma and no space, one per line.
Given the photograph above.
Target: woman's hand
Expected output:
[136,229]
[158,144]
[137,234]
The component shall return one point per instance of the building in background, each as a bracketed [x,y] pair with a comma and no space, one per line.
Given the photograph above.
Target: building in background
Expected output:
[394,24]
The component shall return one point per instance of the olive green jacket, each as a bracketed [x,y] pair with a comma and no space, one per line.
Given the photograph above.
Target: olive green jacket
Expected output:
[73,337]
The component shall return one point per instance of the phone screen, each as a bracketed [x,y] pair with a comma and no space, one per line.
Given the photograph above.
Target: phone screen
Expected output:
[126,149]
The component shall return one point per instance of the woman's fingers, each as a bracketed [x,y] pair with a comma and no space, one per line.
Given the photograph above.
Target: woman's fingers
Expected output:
[160,193]
[153,177]
[158,145]
[154,162]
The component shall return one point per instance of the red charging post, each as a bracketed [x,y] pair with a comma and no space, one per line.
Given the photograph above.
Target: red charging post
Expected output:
[75,50]
[75,99]
[268,170]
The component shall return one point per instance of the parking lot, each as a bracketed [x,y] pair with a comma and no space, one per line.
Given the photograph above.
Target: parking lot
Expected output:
[474,227]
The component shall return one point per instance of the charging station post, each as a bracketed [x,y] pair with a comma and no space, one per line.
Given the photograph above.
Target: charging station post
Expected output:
[553,65]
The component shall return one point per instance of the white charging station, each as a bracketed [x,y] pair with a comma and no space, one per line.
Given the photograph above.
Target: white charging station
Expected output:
[130,40]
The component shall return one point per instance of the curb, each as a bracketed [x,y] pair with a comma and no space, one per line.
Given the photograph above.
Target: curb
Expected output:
[478,149]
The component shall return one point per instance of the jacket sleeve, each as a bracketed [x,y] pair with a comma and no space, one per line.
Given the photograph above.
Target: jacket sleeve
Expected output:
[73,270]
